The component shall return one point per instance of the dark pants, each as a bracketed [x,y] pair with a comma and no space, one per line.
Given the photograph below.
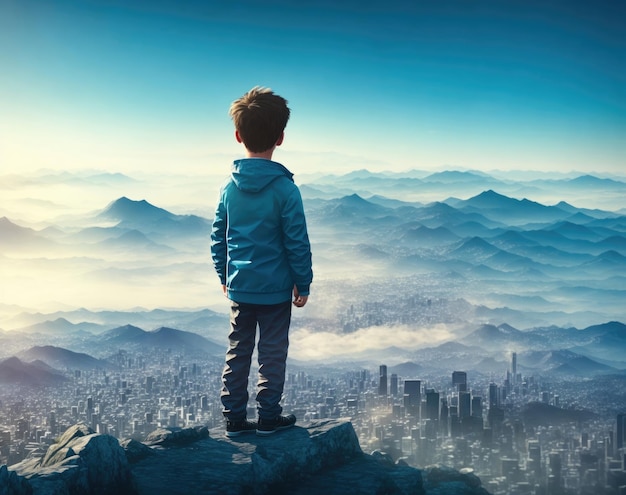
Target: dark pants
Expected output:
[273,322]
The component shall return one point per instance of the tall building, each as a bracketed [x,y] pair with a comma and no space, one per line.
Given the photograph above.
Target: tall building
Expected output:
[382,383]
[459,380]
[432,404]
[393,385]
[477,406]
[514,366]
[413,390]
[493,395]
[620,432]
[465,405]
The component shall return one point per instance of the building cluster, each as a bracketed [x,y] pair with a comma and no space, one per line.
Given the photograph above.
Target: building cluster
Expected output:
[475,427]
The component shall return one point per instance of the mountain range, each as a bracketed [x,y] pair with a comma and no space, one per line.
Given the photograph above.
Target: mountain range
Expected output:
[495,257]
[554,351]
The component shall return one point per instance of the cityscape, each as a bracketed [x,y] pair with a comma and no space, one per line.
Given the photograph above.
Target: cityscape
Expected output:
[453,421]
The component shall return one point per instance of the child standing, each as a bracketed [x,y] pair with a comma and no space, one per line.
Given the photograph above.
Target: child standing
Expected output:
[261,252]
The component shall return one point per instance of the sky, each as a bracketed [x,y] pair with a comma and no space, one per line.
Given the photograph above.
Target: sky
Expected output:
[144,86]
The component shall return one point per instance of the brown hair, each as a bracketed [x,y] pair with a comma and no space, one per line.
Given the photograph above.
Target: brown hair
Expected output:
[260,116]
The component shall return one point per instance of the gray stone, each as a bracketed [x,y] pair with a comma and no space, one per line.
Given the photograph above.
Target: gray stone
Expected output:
[135,450]
[247,464]
[80,462]
[12,484]
[323,457]
[172,436]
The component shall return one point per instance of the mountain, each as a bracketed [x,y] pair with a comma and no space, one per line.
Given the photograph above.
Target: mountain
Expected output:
[60,326]
[60,358]
[407,370]
[135,240]
[163,338]
[452,176]
[15,372]
[128,210]
[512,211]
[587,181]
[476,250]
[503,337]
[424,236]
[23,238]
[574,231]
[147,218]
[353,206]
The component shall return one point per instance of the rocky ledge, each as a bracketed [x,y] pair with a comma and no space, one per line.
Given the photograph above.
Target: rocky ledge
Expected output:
[322,457]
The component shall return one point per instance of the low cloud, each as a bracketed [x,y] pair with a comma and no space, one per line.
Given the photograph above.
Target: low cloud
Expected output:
[307,345]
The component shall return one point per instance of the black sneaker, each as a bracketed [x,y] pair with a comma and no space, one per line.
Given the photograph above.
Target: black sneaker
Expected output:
[236,428]
[269,426]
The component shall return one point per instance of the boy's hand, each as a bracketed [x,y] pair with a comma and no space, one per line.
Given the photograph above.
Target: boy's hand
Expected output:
[298,300]
[224,289]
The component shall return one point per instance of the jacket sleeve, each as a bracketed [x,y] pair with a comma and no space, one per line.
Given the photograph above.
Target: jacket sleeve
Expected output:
[296,242]
[219,248]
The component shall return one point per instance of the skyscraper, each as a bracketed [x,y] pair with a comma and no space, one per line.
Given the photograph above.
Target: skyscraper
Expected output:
[382,383]
[514,367]
[465,405]
[493,395]
[432,404]
[393,385]
[413,389]
[459,380]
[620,431]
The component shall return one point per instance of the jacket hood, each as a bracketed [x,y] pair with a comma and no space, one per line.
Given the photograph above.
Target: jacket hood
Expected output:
[254,174]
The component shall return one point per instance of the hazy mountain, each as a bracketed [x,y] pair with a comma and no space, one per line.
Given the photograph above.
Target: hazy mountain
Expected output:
[407,370]
[512,211]
[451,176]
[60,326]
[60,358]
[15,237]
[163,338]
[424,236]
[135,240]
[586,181]
[15,372]
[147,218]
[491,338]
[517,261]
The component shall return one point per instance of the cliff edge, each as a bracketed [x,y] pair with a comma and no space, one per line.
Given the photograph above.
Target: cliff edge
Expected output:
[322,457]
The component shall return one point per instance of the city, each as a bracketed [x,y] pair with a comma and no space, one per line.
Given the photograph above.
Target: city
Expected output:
[481,426]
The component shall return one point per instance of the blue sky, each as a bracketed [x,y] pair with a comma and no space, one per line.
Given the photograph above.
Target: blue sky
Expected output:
[132,86]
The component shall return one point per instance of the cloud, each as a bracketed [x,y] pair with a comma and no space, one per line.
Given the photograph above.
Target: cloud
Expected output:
[307,345]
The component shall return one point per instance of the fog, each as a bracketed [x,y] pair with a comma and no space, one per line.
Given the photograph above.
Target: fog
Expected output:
[310,345]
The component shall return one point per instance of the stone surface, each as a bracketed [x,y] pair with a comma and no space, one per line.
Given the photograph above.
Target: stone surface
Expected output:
[247,464]
[80,462]
[12,484]
[176,436]
[322,457]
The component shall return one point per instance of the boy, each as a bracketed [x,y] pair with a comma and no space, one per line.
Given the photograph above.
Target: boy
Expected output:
[261,252]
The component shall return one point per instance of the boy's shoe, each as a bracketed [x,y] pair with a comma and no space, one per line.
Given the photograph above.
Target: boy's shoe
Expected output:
[236,428]
[269,426]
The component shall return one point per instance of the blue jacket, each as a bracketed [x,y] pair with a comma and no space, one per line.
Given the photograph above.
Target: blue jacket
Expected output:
[259,242]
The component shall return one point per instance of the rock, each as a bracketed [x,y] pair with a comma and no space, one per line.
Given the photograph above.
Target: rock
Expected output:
[323,457]
[444,480]
[135,450]
[12,484]
[248,464]
[80,462]
[172,436]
